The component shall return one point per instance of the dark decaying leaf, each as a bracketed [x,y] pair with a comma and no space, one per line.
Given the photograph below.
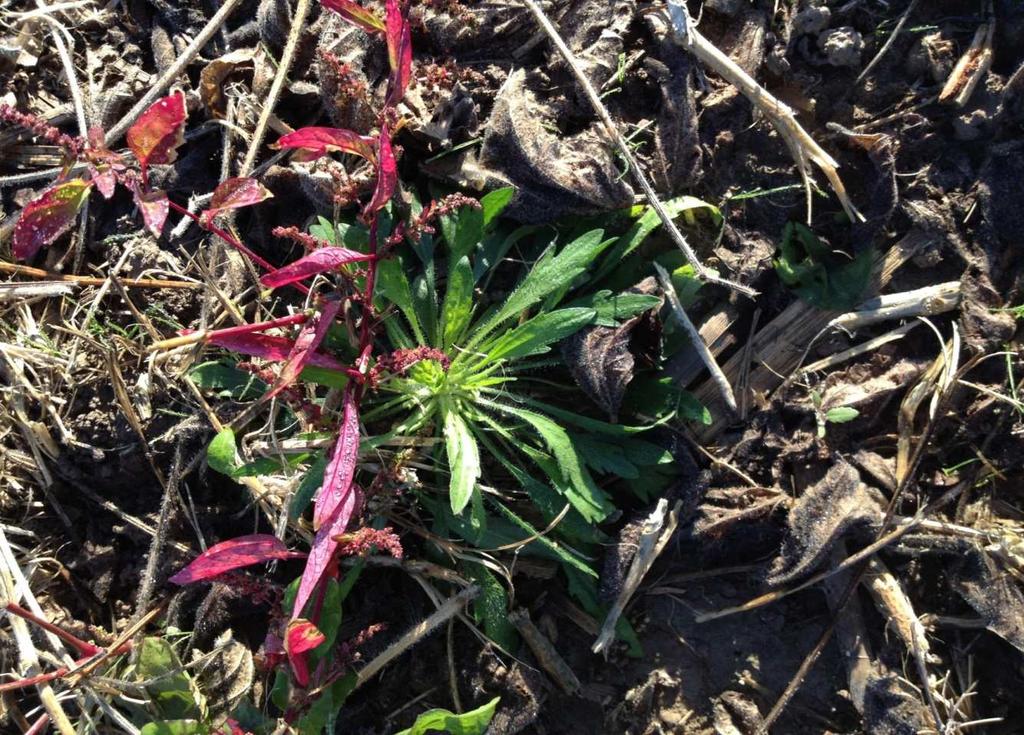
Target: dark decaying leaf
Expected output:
[992,592]
[235,193]
[48,217]
[314,142]
[677,152]
[837,506]
[602,359]
[306,344]
[156,135]
[225,675]
[232,554]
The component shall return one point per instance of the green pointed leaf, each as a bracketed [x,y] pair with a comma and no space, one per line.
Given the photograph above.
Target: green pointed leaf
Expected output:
[841,414]
[393,286]
[589,499]
[458,302]
[491,606]
[463,460]
[307,488]
[610,308]
[228,381]
[474,722]
[534,336]
[549,274]
[648,222]
[462,232]
[494,203]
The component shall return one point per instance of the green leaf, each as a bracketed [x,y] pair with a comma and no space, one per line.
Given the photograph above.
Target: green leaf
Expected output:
[588,499]
[330,618]
[393,286]
[648,222]
[322,714]
[496,247]
[610,308]
[534,336]
[266,466]
[441,720]
[562,553]
[169,686]
[819,276]
[491,606]
[462,231]
[280,692]
[323,376]
[585,422]
[662,398]
[463,459]
[605,457]
[551,505]
[307,488]
[174,727]
[841,414]
[494,203]
[220,455]
[549,274]
[458,302]
[228,381]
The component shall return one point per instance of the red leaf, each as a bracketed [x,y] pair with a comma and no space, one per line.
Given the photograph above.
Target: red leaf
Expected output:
[399,52]
[235,553]
[301,638]
[153,206]
[48,217]
[104,178]
[315,142]
[324,546]
[356,14]
[387,174]
[242,191]
[158,131]
[319,261]
[342,467]
[269,347]
[310,337]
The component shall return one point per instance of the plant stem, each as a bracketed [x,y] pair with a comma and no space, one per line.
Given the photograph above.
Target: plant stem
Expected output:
[83,647]
[223,235]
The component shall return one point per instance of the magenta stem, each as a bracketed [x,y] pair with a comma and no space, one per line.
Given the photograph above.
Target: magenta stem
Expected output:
[84,648]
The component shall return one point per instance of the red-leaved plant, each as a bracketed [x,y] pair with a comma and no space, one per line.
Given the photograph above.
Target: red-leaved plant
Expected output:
[338,499]
[153,140]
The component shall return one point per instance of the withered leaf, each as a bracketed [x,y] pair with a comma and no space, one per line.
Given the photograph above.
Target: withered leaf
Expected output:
[226,675]
[602,359]
[834,507]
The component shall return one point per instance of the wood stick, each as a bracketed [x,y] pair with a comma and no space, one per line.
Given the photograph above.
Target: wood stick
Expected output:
[29,272]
